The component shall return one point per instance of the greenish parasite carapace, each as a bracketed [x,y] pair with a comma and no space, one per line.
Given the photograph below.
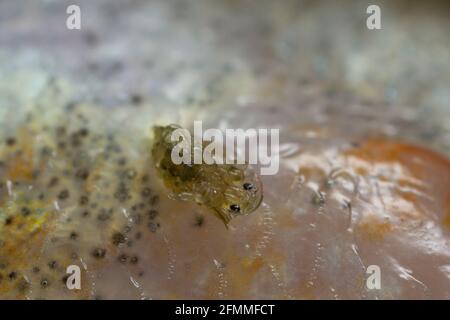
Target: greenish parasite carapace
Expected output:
[228,190]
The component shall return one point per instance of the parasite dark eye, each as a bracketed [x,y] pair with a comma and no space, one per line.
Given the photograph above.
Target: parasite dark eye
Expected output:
[235,208]
[248,186]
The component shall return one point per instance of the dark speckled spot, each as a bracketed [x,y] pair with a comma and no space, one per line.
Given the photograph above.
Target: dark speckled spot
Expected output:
[64,279]
[153,226]
[12,275]
[84,132]
[64,194]
[84,200]
[99,253]
[103,216]
[122,193]
[82,174]
[8,221]
[52,264]
[53,182]
[136,99]
[152,214]
[44,283]
[25,211]
[134,260]
[145,192]
[199,221]
[118,238]
[122,258]
[154,200]
[10,141]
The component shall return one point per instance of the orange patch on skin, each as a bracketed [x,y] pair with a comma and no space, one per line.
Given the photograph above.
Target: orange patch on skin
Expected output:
[285,218]
[374,229]
[409,196]
[361,171]
[447,216]
[312,173]
[240,272]
[390,151]
[252,264]
[447,220]
[421,169]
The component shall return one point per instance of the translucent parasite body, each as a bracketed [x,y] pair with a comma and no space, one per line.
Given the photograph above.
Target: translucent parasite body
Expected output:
[228,190]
